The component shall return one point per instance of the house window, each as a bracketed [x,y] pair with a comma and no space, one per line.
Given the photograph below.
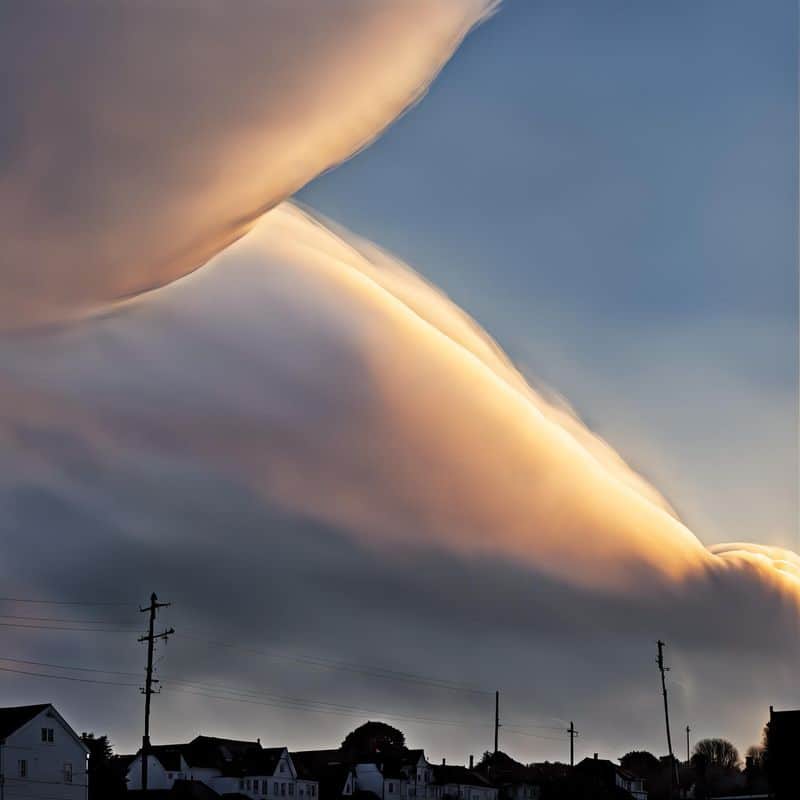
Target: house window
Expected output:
[275,788]
[283,790]
[264,787]
[391,788]
[67,772]
[22,768]
[283,767]
[248,784]
[47,735]
[241,785]
[291,789]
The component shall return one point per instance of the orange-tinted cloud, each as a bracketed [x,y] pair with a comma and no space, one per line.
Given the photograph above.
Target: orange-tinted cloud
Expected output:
[140,139]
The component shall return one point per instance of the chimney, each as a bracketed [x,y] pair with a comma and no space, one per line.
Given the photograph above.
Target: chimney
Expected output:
[444,761]
[472,762]
[595,756]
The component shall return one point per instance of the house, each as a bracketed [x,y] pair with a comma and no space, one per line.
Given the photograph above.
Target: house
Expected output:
[460,783]
[40,751]
[783,745]
[418,773]
[228,766]
[514,780]
[607,775]
[335,777]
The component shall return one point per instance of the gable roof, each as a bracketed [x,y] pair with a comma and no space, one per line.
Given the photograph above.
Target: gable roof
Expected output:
[14,717]
[499,768]
[445,774]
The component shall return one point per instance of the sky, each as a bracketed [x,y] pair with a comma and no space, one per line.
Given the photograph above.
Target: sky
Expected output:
[259,410]
[611,190]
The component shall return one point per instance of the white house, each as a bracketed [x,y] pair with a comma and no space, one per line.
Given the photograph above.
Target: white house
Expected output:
[40,755]
[460,783]
[226,766]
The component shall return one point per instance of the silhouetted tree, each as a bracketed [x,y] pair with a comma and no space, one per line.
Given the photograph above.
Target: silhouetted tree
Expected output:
[372,738]
[106,782]
[719,753]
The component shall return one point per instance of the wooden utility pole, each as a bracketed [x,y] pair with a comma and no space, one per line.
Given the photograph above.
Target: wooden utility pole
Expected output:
[148,690]
[496,723]
[687,744]
[572,734]
[663,670]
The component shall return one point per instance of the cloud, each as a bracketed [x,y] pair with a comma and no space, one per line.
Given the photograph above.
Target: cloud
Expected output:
[141,139]
[304,442]
[337,383]
[306,430]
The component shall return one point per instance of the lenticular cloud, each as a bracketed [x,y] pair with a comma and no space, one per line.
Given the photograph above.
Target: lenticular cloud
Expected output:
[141,138]
[335,382]
[301,362]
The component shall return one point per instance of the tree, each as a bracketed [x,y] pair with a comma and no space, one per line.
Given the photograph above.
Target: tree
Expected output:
[105,780]
[656,773]
[640,762]
[718,753]
[755,756]
[372,738]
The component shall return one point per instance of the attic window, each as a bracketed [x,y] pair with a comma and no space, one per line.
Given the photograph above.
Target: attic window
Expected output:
[47,735]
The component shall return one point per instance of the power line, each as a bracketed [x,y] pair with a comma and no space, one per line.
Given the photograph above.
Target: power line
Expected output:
[64,677]
[22,626]
[63,602]
[63,666]
[62,619]
[336,664]
[229,694]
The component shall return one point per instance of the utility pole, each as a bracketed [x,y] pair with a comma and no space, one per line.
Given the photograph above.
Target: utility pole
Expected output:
[687,744]
[572,734]
[663,670]
[496,723]
[148,690]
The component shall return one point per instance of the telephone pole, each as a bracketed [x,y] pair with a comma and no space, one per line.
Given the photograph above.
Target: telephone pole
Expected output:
[687,744]
[496,723]
[663,670]
[148,690]
[572,734]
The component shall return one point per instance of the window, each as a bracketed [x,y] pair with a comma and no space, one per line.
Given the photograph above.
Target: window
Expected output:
[391,788]
[275,788]
[247,784]
[22,768]
[265,787]
[313,789]
[283,790]
[47,735]
[241,785]
[67,772]
[291,789]
[283,767]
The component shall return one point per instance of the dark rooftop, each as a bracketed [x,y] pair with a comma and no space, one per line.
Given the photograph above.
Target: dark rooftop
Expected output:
[14,717]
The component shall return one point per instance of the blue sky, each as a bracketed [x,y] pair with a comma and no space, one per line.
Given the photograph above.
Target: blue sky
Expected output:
[611,190]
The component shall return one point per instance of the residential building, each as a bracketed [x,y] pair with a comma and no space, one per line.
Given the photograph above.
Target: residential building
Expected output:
[514,780]
[227,766]
[460,783]
[335,777]
[783,745]
[41,755]
[605,774]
